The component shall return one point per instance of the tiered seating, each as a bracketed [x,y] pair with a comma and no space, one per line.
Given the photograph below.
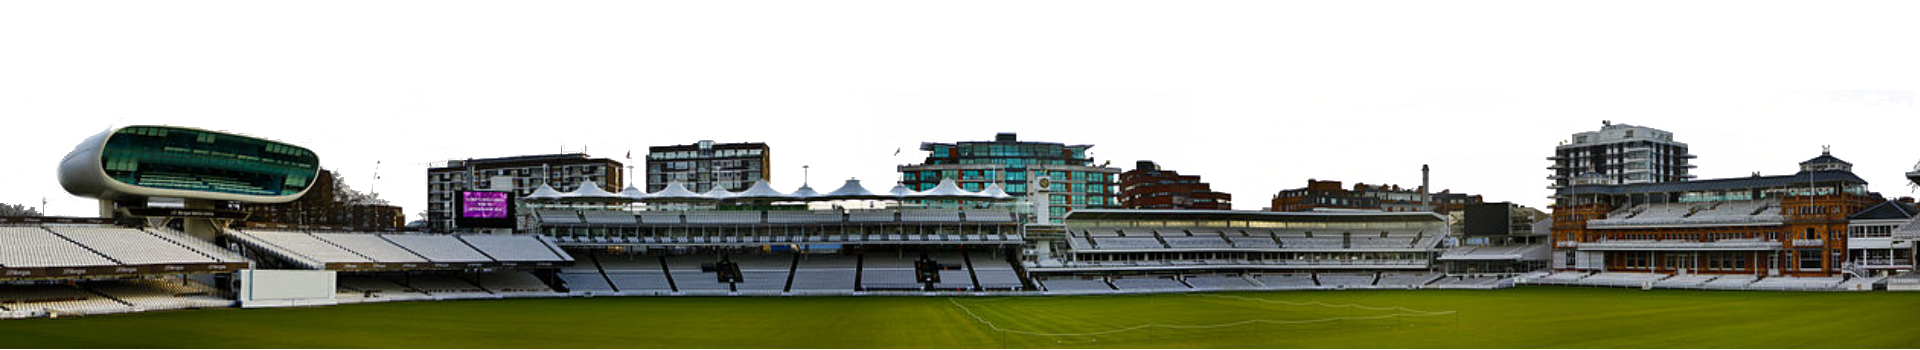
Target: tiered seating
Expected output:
[1148,283]
[1406,279]
[1562,277]
[995,274]
[1297,242]
[1704,213]
[358,287]
[130,246]
[35,247]
[888,271]
[441,249]
[1286,281]
[688,277]
[371,246]
[801,216]
[585,281]
[162,294]
[824,273]
[520,248]
[660,217]
[1219,282]
[763,273]
[308,250]
[198,245]
[1622,279]
[929,215]
[1730,282]
[558,216]
[1129,242]
[1345,279]
[42,299]
[515,283]
[1260,240]
[1861,284]
[1191,242]
[723,217]
[955,279]
[641,281]
[1467,281]
[1684,281]
[1075,285]
[870,216]
[608,217]
[1798,283]
[445,286]
[989,216]
[1391,242]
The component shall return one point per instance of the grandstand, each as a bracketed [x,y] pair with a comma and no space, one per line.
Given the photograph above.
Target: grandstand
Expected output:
[400,252]
[720,228]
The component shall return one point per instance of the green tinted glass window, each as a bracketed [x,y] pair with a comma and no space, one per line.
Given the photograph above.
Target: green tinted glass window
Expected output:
[185,159]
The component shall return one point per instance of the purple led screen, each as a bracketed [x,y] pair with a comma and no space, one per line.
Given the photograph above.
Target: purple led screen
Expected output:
[484,205]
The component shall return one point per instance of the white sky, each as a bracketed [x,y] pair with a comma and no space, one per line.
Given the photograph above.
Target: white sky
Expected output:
[1256,97]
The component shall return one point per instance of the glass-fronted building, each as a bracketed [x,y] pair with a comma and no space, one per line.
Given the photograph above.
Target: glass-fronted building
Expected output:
[176,162]
[1074,180]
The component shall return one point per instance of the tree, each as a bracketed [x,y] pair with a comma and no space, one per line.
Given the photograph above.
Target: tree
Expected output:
[344,194]
[17,210]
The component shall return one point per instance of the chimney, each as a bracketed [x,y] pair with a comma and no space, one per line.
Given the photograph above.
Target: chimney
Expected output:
[1426,196]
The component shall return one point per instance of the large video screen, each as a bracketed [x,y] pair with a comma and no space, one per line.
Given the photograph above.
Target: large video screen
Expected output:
[485,209]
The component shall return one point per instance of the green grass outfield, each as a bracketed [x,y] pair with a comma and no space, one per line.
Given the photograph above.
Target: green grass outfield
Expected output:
[1526,317]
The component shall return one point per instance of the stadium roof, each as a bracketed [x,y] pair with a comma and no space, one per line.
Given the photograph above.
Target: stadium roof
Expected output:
[1717,184]
[1189,215]
[1889,210]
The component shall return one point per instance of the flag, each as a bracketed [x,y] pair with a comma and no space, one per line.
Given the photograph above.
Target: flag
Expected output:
[896,151]
[629,154]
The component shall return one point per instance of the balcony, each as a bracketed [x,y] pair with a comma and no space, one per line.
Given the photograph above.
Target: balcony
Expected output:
[1725,244]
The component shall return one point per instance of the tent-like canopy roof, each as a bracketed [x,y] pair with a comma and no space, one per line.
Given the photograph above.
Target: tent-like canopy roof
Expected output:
[804,192]
[591,192]
[900,190]
[634,193]
[947,189]
[545,193]
[993,191]
[761,190]
[853,190]
[718,193]
[675,192]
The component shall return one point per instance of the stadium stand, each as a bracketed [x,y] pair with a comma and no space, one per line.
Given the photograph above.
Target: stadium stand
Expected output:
[929,215]
[370,288]
[515,283]
[825,273]
[198,245]
[1196,242]
[1220,282]
[1622,279]
[1075,285]
[440,249]
[585,282]
[514,248]
[1687,281]
[130,246]
[162,294]
[763,273]
[1730,282]
[1344,279]
[1797,283]
[608,217]
[953,279]
[443,286]
[687,276]
[995,274]
[559,216]
[372,247]
[1404,279]
[1285,281]
[36,300]
[37,247]
[1148,284]
[299,248]
[888,271]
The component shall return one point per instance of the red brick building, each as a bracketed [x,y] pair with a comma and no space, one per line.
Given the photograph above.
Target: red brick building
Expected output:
[1149,187]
